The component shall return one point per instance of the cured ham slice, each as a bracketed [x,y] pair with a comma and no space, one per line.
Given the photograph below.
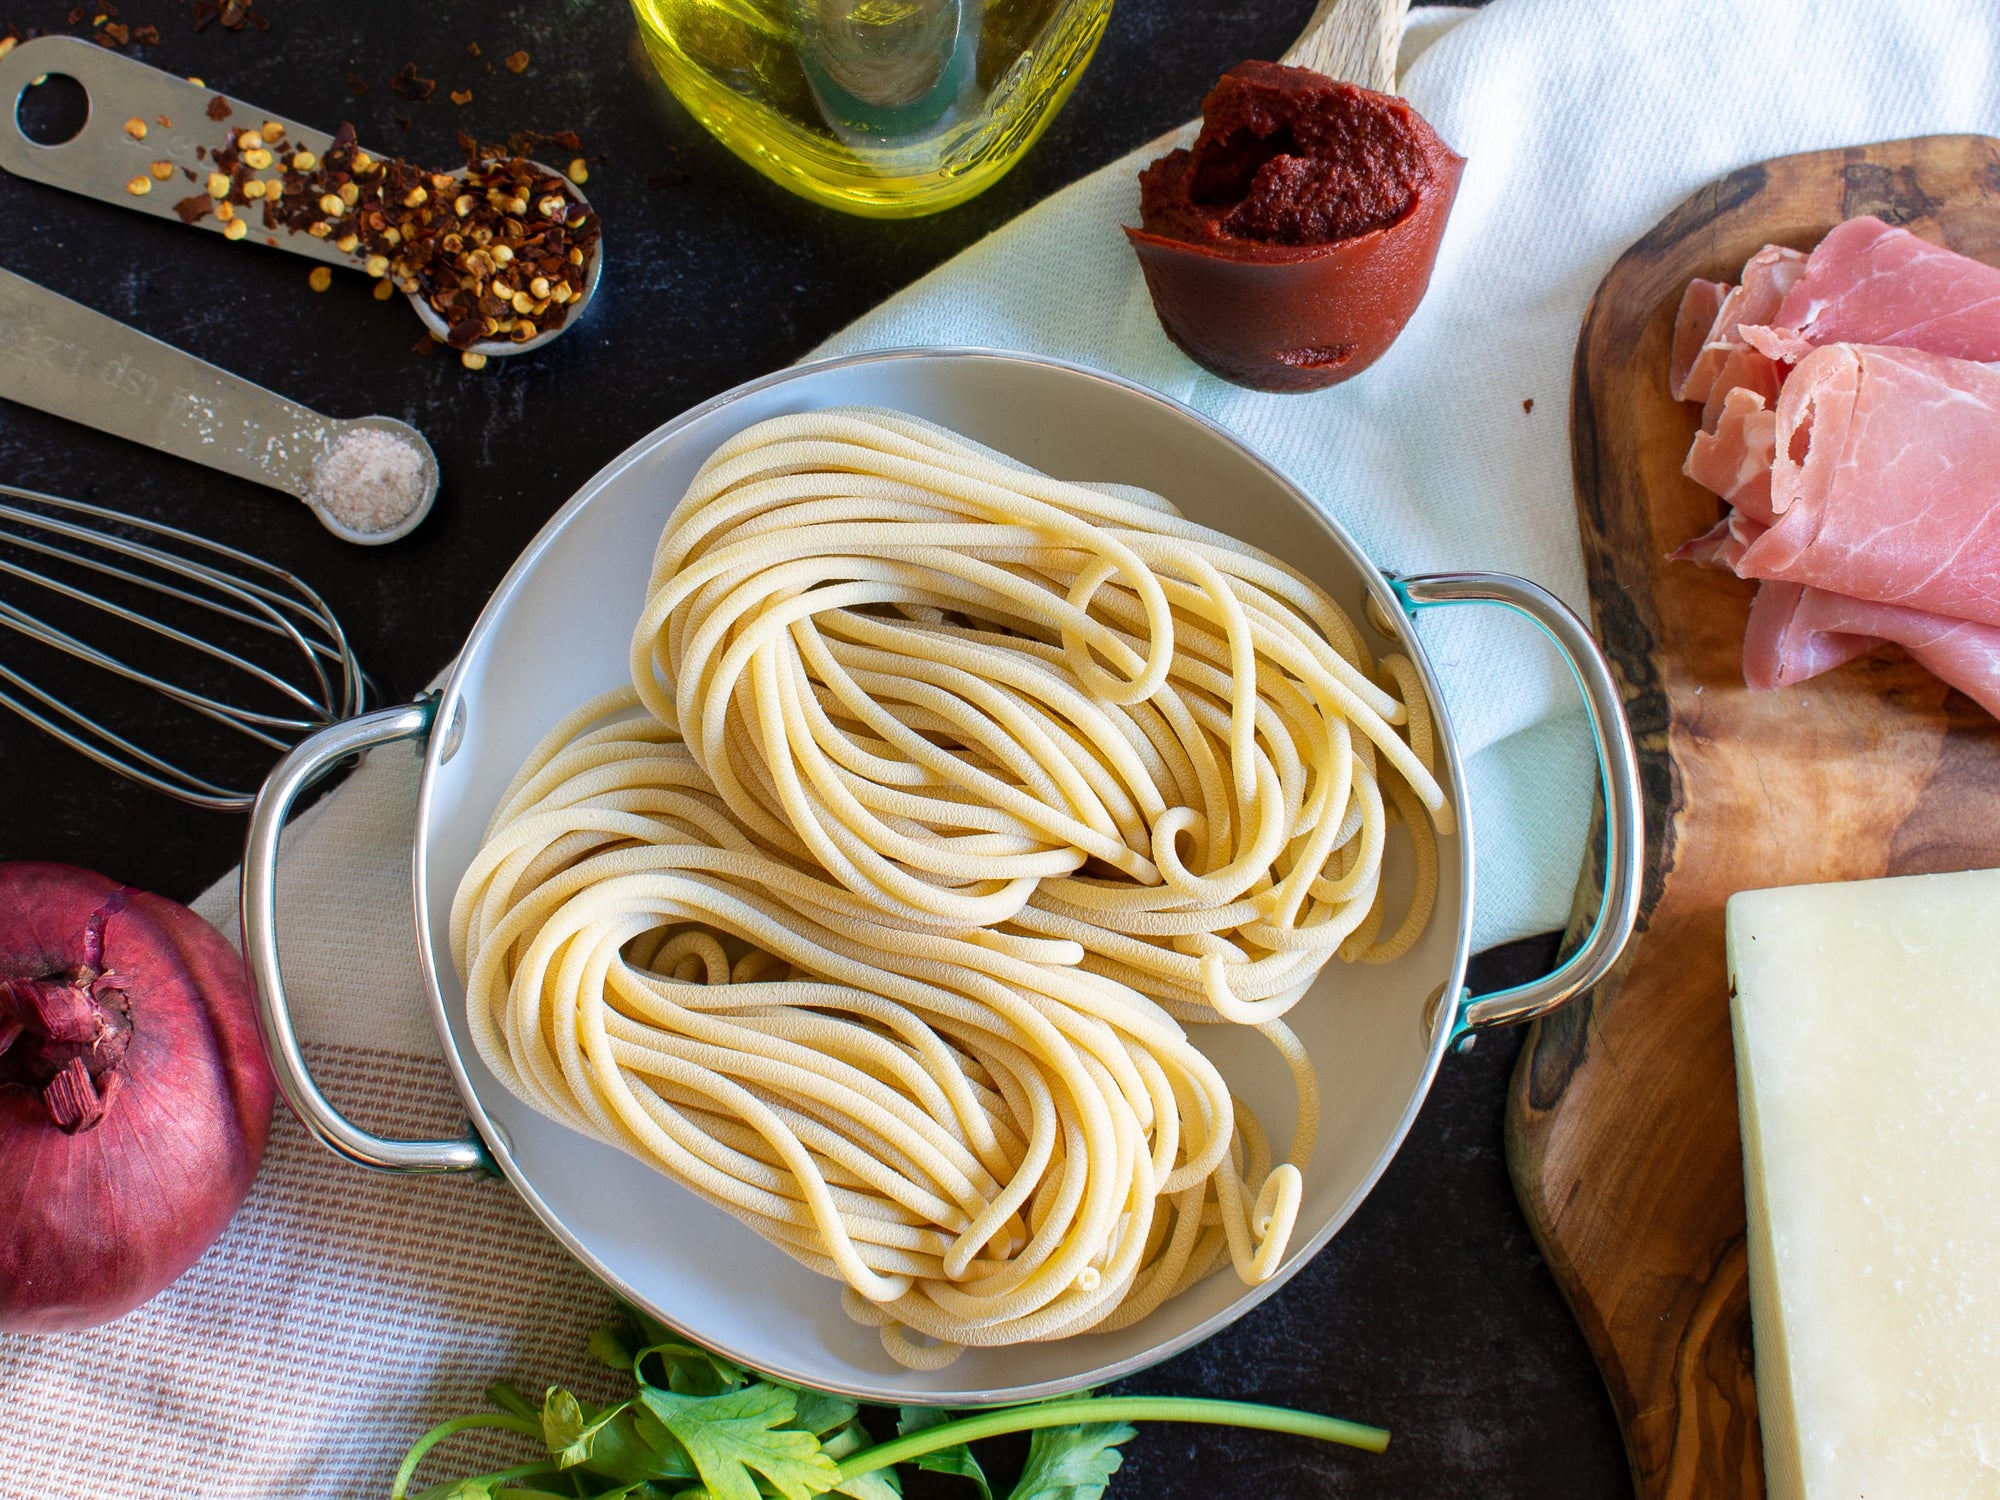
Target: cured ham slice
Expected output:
[1743,369]
[1734,459]
[1722,545]
[1787,643]
[1885,483]
[1699,304]
[1795,633]
[1768,278]
[1870,283]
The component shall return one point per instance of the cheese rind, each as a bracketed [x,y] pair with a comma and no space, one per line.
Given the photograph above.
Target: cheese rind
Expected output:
[1867,1026]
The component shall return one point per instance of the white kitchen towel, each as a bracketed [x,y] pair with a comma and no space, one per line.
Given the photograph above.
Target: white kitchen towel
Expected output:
[342,1313]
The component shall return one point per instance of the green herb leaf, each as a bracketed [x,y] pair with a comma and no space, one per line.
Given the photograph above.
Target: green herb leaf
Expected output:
[731,1435]
[633,1448]
[1072,1463]
[818,1412]
[691,1371]
[607,1348]
[954,1460]
[876,1484]
[506,1398]
[571,1429]
[462,1489]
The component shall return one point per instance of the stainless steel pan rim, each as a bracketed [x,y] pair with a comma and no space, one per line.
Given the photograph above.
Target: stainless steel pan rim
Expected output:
[439,720]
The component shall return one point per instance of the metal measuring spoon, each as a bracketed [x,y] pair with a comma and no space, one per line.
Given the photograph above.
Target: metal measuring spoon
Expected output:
[64,358]
[105,158]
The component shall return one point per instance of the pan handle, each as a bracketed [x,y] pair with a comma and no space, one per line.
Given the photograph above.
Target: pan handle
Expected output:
[306,764]
[1617,769]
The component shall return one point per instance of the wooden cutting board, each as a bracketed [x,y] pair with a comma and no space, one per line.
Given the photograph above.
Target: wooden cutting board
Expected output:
[1622,1131]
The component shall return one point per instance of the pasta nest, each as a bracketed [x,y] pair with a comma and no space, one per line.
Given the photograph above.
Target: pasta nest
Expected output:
[945,794]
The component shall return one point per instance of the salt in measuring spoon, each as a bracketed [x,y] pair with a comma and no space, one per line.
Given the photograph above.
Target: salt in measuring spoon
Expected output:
[66,359]
[139,116]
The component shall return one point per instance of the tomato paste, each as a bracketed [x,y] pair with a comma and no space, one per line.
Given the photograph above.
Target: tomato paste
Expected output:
[1288,248]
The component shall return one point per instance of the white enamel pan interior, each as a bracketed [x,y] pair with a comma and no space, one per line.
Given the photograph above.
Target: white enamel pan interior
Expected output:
[557,632]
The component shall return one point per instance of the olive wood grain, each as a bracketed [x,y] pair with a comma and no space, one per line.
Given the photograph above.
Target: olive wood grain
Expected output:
[1622,1131]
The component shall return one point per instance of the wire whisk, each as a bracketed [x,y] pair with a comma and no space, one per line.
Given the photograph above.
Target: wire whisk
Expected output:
[135,607]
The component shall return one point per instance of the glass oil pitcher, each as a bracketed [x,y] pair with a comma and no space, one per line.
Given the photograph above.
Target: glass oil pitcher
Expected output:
[890,108]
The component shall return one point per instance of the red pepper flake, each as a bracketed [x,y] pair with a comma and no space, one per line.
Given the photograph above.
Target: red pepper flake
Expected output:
[411,86]
[204,13]
[1528,406]
[472,50]
[218,108]
[235,13]
[403,121]
[112,34]
[146,36]
[517,62]
[461,96]
[357,85]
[192,209]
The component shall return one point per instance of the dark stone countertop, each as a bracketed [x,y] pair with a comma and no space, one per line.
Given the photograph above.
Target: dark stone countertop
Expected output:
[1431,1312]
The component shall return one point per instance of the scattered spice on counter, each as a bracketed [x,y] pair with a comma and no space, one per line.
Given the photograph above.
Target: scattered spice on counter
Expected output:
[356,85]
[1528,407]
[472,50]
[320,278]
[472,360]
[461,96]
[370,480]
[411,85]
[233,14]
[517,62]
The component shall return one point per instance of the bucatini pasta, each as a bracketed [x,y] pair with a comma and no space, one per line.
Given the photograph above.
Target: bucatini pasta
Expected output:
[945,792]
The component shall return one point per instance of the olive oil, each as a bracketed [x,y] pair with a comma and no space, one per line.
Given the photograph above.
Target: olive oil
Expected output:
[890,108]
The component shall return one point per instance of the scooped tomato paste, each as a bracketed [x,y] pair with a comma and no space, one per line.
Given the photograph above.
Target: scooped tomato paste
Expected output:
[1288,248]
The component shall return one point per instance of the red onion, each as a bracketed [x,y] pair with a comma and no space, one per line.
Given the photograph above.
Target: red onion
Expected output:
[134,1095]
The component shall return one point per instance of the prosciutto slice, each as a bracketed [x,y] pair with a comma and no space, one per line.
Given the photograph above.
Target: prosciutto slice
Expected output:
[1795,633]
[1734,459]
[1870,283]
[1768,278]
[1885,483]
[1699,304]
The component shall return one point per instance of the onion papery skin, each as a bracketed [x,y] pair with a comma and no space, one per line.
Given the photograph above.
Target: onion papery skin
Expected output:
[98,1221]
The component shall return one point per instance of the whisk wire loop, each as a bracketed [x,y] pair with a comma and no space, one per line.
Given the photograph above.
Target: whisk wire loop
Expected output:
[82,557]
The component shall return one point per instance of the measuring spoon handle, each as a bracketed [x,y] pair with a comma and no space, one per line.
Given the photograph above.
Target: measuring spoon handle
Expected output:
[183,124]
[66,359]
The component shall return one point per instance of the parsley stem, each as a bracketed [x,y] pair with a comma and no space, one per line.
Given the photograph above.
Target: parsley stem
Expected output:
[443,1430]
[1112,1409]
